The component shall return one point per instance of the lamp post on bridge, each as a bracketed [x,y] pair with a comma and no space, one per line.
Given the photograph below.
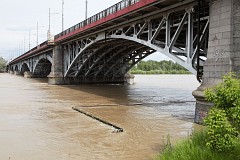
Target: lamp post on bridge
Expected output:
[49,25]
[29,38]
[62,15]
[86,9]
[38,32]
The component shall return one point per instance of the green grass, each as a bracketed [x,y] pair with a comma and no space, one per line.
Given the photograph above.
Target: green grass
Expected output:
[194,148]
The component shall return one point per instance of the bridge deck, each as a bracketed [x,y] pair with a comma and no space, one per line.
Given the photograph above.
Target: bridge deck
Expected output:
[124,11]
[114,15]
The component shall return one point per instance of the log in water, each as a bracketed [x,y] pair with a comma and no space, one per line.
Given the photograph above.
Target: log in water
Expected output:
[118,129]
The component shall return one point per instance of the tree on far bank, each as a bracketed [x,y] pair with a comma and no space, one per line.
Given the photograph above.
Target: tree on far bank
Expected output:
[3,64]
[161,67]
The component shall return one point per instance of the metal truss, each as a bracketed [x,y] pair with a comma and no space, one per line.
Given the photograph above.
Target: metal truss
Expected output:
[173,34]
[76,54]
[105,58]
[114,52]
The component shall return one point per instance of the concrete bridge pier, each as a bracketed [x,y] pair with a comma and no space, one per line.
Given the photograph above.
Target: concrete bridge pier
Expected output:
[223,50]
[16,72]
[56,76]
[28,74]
[129,78]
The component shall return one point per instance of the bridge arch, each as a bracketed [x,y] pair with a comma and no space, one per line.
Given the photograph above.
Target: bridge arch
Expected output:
[11,68]
[42,68]
[164,51]
[24,68]
[107,58]
[16,68]
[75,55]
[124,46]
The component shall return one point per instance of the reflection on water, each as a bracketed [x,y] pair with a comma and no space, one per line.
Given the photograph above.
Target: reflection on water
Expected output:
[37,121]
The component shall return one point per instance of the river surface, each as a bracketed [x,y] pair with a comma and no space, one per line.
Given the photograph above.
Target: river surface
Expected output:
[37,121]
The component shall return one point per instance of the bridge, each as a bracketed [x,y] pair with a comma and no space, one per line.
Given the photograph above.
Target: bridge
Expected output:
[202,36]
[104,47]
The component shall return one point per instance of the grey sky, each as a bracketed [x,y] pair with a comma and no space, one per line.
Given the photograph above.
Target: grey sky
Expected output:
[18,17]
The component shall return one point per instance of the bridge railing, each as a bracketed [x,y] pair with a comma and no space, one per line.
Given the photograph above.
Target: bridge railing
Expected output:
[113,9]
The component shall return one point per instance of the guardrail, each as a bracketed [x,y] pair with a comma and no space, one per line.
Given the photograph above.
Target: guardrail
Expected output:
[113,9]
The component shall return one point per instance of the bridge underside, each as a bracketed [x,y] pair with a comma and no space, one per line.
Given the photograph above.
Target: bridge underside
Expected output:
[43,68]
[106,61]
[24,69]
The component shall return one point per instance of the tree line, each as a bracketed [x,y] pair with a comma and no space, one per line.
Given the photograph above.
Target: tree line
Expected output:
[155,67]
[3,64]
[143,67]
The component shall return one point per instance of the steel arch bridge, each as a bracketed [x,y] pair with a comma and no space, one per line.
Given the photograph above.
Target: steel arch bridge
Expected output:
[104,52]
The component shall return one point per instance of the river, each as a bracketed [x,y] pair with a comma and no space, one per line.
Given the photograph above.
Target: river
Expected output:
[37,121]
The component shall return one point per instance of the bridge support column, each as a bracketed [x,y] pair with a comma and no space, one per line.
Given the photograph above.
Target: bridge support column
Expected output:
[16,72]
[223,50]
[129,78]
[28,74]
[56,76]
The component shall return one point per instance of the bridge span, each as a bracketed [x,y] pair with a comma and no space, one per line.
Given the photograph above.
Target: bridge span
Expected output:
[104,47]
[201,35]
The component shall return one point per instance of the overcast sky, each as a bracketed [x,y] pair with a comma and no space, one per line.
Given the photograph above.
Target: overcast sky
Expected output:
[18,17]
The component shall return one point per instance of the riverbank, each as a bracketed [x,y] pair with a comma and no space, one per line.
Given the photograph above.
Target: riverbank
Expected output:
[221,138]
[160,72]
[194,148]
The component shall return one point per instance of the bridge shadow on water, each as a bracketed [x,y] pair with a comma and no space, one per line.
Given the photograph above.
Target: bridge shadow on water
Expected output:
[177,102]
[118,93]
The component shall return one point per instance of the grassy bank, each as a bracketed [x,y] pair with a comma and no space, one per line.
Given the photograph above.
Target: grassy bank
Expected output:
[194,148]
[221,139]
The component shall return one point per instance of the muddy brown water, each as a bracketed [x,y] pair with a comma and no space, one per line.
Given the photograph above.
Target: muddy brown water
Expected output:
[37,121]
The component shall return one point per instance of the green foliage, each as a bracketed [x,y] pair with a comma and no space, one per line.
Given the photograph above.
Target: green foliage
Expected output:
[162,67]
[167,145]
[226,94]
[3,63]
[221,134]
[221,139]
[234,116]
[223,120]
[194,148]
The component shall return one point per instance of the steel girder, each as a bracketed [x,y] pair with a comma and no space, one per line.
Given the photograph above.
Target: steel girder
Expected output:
[76,54]
[113,52]
[173,34]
